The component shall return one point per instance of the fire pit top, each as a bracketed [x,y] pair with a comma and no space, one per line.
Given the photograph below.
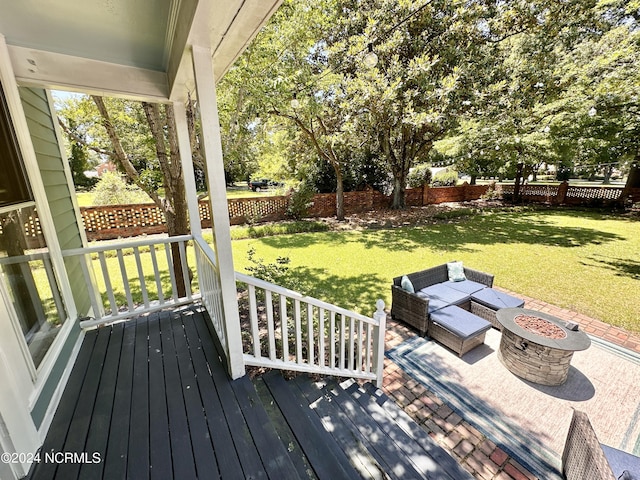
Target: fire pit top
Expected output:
[542,328]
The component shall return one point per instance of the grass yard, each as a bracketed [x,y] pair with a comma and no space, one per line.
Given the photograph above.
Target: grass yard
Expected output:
[584,261]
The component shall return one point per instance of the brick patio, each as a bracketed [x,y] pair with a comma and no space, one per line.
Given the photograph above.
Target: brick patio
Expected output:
[477,454]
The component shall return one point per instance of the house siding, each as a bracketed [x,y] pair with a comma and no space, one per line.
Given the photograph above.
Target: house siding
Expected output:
[51,165]
[52,169]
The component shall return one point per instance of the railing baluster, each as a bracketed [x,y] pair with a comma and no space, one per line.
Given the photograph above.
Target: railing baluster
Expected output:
[298,327]
[156,273]
[107,283]
[310,336]
[125,280]
[172,272]
[367,364]
[185,269]
[360,340]
[321,338]
[351,344]
[143,285]
[342,344]
[285,328]
[253,315]
[270,328]
[332,338]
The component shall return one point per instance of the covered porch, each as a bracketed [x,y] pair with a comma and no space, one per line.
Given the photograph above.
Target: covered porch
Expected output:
[150,398]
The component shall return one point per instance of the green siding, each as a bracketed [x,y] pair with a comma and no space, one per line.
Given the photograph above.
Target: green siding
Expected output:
[51,165]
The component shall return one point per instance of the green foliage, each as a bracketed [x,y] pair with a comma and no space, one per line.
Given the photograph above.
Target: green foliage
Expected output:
[445,178]
[300,201]
[280,228]
[111,189]
[277,273]
[419,176]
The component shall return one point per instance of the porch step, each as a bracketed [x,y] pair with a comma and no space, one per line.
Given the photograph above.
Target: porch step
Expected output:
[344,430]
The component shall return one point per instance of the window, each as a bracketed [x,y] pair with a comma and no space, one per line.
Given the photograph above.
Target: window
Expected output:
[14,188]
[25,264]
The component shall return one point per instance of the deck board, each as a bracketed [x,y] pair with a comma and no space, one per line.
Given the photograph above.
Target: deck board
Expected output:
[62,419]
[203,454]
[138,454]
[226,455]
[115,461]
[242,439]
[328,460]
[151,396]
[160,463]
[101,419]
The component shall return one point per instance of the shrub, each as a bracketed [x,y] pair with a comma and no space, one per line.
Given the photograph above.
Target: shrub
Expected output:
[445,178]
[113,190]
[277,273]
[419,176]
[300,201]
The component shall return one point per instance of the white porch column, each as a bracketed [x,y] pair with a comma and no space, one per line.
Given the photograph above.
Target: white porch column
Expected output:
[187,167]
[212,143]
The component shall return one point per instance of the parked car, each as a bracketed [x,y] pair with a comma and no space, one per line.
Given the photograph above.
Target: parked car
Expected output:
[262,184]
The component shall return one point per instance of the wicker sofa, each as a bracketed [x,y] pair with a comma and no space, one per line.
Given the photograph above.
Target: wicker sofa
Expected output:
[457,314]
[584,457]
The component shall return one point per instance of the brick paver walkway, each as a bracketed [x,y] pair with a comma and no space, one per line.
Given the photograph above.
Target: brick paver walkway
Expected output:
[476,453]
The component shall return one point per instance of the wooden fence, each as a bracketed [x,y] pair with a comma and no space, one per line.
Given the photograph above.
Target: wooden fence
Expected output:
[121,221]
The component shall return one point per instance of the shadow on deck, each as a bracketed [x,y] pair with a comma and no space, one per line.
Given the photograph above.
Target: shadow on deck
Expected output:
[150,399]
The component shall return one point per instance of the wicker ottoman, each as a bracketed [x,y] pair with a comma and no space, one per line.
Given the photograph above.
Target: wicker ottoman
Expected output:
[457,329]
[486,302]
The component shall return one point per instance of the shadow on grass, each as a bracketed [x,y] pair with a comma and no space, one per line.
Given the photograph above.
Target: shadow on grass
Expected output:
[358,293]
[458,235]
[621,266]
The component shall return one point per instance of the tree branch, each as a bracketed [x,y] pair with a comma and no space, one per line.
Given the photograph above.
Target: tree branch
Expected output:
[119,155]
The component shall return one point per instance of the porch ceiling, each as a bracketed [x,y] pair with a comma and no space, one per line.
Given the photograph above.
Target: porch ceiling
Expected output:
[136,48]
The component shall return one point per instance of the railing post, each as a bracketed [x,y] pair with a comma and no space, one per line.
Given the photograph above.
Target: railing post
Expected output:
[378,343]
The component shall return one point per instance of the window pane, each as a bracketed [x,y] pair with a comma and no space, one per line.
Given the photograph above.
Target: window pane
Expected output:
[13,184]
[28,276]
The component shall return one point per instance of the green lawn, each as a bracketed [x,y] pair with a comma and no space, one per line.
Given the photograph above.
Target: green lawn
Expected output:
[585,261]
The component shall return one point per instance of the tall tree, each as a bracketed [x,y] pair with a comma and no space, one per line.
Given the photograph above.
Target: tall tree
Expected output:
[141,139]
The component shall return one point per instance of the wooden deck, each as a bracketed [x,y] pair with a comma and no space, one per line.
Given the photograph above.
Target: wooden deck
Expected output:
[150,399]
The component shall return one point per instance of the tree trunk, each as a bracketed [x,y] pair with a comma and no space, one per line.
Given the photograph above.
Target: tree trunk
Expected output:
[517,182]
[399,187]
[339,195]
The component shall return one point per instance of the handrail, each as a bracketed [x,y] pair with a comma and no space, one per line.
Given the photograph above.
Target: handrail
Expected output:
[129,268]
[241,277]
[301,333]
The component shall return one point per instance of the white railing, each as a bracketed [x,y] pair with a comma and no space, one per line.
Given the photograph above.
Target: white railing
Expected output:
[290,331]
[210,290]
[132,278]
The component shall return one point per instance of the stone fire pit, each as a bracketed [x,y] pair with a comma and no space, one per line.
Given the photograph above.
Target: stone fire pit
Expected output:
[538,347]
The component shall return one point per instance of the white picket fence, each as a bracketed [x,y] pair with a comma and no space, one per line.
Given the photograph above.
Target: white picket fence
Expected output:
[290,331]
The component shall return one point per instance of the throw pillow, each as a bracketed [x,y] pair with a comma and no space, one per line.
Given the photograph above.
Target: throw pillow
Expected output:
[406,284]
[456,271]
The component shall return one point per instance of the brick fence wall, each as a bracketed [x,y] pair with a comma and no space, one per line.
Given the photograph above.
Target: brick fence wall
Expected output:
[116,221]
[565,194]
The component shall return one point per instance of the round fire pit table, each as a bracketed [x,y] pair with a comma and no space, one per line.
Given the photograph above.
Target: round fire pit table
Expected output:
[538,347]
